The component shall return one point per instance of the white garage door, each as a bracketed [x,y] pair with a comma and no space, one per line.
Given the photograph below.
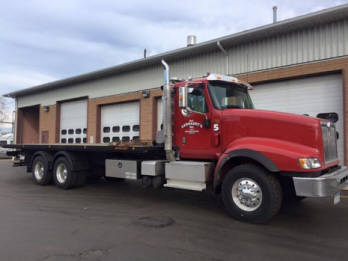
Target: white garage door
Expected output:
[73,122]
[311,95]
[120,122]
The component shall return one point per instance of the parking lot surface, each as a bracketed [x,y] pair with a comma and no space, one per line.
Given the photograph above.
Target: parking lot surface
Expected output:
[123,221]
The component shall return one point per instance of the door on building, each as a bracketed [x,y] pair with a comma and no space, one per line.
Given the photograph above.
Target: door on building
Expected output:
[73,121]
[28,125]
[120,122]
[310,95]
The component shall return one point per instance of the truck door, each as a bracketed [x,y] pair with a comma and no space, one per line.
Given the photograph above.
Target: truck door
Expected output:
[192,136]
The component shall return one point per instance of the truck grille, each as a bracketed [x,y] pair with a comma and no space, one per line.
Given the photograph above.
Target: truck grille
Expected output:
[329,141]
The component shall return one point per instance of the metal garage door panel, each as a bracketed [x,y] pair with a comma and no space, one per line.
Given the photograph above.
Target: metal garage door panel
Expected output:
[120,122]
[311,95]
[73,122]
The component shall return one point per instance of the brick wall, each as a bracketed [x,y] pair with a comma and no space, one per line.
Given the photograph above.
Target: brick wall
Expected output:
[48,123]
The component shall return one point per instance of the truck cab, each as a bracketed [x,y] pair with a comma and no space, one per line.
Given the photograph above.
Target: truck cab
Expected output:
[292,155]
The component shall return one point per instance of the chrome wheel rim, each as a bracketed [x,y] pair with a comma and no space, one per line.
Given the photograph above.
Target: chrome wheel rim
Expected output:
[247,194]
[61,173]
[39,170]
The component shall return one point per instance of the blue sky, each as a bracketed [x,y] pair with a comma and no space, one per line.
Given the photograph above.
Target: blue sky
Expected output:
[42,41]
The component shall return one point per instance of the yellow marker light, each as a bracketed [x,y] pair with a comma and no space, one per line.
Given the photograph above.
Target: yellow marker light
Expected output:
[309,163]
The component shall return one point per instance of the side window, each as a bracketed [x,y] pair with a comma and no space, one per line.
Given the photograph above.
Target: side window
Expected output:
[196,100]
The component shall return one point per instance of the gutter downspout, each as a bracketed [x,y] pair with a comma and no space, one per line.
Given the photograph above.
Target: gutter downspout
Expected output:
[167,114]
[222,49]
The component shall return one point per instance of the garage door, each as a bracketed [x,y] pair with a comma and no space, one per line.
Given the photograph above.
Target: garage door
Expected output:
[73,122]
[311,95]
[120,122]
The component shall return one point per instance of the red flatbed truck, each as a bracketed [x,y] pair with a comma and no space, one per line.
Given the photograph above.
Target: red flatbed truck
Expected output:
[212,140]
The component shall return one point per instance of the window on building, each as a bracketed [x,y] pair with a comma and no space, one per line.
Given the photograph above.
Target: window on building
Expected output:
[125,138]
[116,129]
[126,128]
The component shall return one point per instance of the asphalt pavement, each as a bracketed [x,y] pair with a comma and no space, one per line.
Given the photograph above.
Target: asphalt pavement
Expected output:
[123,221]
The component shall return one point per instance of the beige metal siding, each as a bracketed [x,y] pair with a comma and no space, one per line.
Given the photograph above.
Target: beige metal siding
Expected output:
[307,45]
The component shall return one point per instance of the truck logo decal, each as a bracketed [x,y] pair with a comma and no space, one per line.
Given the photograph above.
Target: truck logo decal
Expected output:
[191,124]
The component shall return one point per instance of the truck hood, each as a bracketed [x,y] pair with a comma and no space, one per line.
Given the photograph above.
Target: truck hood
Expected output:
[288,127]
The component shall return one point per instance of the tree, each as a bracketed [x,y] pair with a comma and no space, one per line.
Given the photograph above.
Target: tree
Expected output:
[6,108]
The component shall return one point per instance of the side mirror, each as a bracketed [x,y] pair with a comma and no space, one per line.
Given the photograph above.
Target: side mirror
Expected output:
[331,116]
[183,97]
[206,123]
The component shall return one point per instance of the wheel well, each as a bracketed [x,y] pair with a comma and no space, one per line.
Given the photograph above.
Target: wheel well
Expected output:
[233,162]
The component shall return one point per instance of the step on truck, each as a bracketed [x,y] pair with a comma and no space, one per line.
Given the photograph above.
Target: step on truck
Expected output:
[212,139]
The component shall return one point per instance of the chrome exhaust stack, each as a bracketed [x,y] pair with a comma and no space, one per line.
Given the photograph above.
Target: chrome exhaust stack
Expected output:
[167,114]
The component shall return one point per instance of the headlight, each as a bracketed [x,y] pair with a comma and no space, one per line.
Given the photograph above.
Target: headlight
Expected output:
[309,163]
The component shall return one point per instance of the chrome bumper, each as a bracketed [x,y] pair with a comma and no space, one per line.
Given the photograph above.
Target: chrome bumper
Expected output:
[323,186]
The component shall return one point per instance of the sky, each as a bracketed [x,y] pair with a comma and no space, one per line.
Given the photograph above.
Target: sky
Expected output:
[43,41]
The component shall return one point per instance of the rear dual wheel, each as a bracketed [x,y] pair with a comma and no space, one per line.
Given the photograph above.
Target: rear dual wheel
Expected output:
[40,171]
[65,177]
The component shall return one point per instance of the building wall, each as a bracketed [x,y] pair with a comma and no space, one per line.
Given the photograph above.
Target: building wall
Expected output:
[48,123]
[297,47]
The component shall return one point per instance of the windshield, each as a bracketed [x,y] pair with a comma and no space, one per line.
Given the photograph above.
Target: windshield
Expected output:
[229,96]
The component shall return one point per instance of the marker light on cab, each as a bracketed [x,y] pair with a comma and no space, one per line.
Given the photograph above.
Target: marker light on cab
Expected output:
[309,163]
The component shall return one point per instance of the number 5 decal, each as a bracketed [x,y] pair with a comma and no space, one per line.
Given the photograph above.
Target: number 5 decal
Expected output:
[216,127]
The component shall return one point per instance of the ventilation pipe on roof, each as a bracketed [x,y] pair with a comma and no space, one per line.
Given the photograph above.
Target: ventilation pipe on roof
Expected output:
[167,114]
[275,9]
[222,49]
[191,40]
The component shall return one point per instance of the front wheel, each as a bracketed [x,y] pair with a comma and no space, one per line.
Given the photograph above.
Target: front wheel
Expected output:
[251,194]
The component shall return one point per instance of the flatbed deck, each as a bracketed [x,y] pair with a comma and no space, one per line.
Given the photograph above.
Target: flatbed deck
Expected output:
[128,149]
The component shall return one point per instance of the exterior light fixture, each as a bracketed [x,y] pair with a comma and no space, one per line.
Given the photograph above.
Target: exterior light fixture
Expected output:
[46,108]
[146,93]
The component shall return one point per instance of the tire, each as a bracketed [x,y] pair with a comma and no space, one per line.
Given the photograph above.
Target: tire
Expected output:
[260,194]
[63,175]
[40,172]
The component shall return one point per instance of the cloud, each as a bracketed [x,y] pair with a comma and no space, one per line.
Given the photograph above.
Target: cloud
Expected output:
[43,40]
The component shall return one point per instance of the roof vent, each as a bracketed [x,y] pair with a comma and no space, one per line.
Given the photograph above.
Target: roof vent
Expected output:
[275,9]
[191,40]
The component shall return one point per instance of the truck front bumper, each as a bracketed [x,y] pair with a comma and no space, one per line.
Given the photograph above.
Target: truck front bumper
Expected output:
[324,186]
